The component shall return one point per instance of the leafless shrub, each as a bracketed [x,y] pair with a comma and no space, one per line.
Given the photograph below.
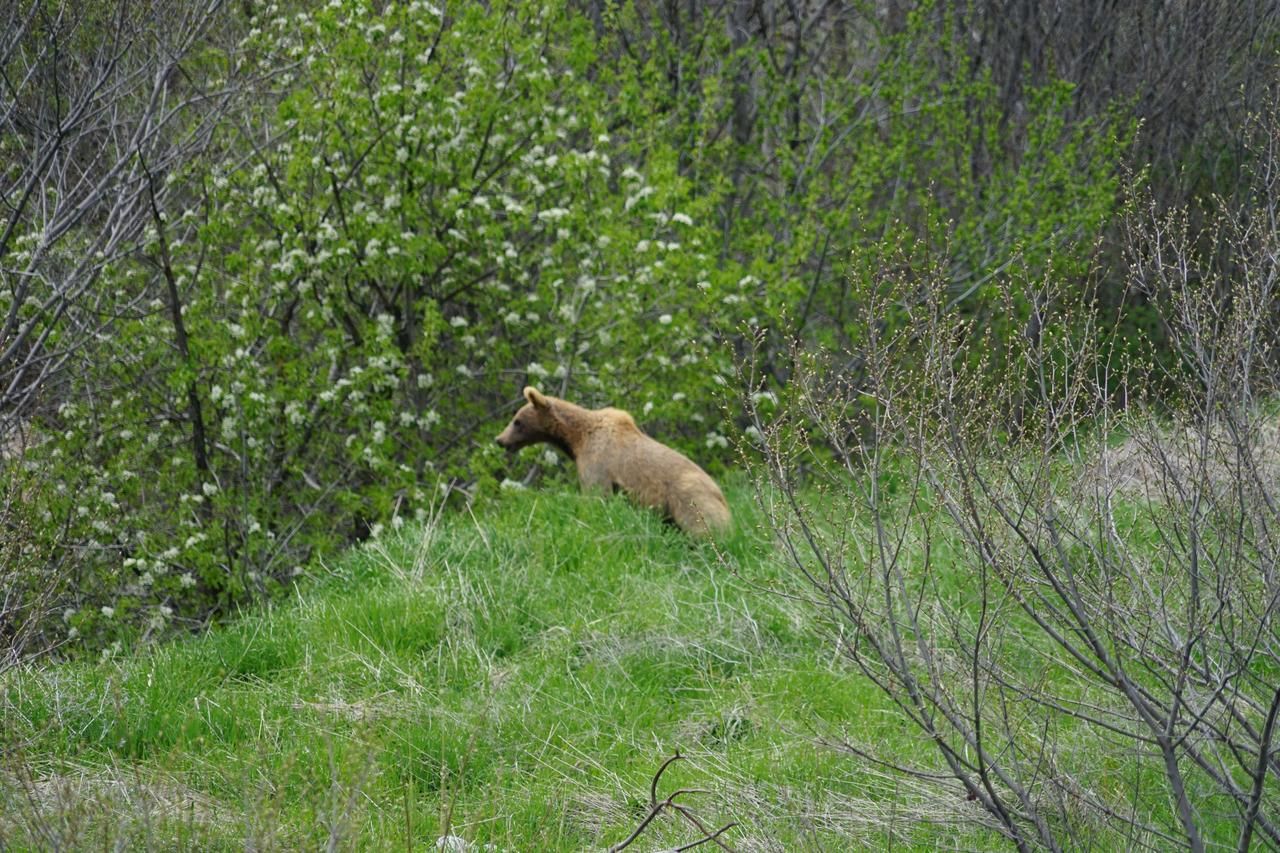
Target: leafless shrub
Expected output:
[92,97]
[1092,666]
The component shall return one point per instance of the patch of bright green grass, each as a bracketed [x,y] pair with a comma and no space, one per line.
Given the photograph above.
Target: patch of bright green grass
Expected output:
[513,678]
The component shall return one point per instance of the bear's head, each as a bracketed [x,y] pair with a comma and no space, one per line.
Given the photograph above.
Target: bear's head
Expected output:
[536,421]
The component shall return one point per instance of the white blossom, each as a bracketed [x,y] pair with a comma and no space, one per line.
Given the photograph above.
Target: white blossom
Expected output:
[639,195]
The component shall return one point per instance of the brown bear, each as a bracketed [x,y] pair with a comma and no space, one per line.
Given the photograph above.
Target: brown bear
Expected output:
[612,453]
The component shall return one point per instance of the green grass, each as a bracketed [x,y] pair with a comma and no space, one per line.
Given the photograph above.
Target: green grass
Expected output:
[513,678]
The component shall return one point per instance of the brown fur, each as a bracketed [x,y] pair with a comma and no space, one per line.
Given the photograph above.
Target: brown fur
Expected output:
[612,454]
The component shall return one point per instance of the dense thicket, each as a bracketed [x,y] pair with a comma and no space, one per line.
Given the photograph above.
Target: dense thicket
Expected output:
[271,275]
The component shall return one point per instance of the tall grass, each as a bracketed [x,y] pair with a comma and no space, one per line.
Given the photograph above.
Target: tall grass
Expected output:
[512,678]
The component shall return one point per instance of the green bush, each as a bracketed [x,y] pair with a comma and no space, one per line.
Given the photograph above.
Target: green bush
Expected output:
[440,222]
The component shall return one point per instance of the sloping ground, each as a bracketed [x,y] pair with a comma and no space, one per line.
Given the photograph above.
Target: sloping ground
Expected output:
[512,679]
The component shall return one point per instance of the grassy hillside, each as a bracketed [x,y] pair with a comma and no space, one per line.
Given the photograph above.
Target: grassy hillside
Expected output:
[514,679]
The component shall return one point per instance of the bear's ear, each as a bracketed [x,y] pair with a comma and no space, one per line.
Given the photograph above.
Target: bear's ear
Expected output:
[534,396]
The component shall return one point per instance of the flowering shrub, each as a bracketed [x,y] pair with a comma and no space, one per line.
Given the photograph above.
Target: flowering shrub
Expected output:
[441,221]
